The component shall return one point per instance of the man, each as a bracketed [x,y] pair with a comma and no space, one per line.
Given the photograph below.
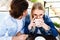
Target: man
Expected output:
[12,28]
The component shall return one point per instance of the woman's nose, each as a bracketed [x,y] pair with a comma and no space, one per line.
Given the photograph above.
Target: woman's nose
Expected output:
[38,17]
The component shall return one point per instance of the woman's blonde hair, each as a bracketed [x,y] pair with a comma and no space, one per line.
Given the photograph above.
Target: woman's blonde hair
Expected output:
[36,6]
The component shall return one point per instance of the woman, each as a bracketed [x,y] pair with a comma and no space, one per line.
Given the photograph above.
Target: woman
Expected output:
[40,23]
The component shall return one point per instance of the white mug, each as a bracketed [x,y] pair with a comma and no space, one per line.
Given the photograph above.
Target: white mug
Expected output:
[37,22]
[40,38]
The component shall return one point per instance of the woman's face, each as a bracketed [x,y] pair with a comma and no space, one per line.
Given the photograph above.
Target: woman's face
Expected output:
[38,13]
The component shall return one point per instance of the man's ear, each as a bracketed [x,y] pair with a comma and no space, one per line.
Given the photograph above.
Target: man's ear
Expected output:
[20,17]
[25,13]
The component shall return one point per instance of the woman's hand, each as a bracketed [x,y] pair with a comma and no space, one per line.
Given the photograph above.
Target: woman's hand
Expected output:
[32,24]
[42,24]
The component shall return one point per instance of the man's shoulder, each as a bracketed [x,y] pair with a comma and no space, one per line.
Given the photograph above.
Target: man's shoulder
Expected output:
[8,21]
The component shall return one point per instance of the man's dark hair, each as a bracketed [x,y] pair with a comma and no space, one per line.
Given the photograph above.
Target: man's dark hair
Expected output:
[18,7]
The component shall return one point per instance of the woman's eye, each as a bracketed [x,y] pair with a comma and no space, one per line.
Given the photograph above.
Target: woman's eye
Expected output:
[35,15]
[40,14]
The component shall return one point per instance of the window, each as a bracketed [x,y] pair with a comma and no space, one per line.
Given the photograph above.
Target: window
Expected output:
[53,10]
[4,5]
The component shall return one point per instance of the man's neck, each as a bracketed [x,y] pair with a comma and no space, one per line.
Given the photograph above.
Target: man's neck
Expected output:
[20,18]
